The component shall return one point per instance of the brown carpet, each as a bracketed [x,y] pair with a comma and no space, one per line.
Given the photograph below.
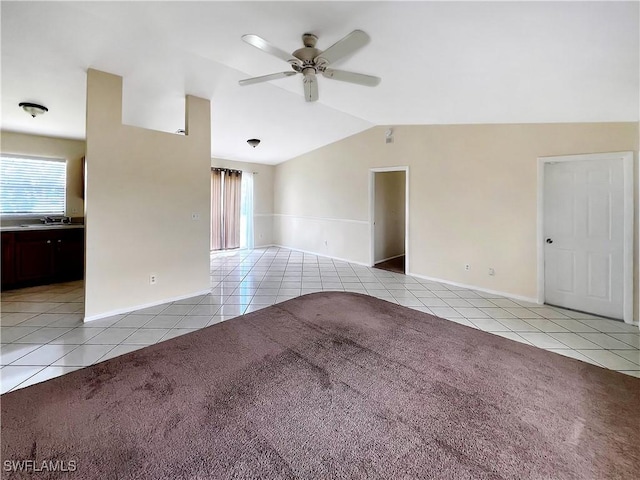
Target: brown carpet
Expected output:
[394,265]
[331,385]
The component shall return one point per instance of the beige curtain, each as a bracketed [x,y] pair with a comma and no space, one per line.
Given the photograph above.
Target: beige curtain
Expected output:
[231,216]
[216,209]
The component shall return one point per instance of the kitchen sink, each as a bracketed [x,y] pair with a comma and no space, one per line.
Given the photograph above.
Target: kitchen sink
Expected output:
[40,225]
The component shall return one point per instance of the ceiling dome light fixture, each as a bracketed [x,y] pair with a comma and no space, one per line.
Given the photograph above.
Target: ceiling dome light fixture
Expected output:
[254,142]
[33,109]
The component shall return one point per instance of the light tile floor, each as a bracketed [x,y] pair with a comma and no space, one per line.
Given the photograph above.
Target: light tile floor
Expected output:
[43,336]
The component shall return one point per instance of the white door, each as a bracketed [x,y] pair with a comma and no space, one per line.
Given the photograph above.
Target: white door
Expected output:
[583,233]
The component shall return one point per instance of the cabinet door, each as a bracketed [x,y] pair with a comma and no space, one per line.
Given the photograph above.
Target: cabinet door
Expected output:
[33,257]
[8,260]
[69,257]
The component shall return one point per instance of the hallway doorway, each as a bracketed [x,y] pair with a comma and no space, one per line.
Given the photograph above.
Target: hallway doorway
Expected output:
[389,199]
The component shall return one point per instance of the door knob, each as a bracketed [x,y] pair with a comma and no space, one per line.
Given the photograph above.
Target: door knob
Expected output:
[549,240]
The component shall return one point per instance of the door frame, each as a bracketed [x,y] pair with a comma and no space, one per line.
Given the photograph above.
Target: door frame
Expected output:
[627,237]
[372,203]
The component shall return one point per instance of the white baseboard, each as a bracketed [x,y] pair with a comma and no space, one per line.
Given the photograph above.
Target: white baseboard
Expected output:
[321,255]
[475,287]
[424,277]
[388,258]
[120,311]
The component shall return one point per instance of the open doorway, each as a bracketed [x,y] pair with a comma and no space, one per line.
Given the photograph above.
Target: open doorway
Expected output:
[389,202]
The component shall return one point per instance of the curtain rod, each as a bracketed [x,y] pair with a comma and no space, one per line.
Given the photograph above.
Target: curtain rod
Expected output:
[229,170]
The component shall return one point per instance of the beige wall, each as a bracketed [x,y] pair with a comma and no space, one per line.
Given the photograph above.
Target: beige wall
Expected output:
[472,195]
[142,188]
[389,225]
[262,197]
[71,150]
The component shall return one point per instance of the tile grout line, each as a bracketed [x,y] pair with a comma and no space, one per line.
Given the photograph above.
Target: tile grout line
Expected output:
[279,267]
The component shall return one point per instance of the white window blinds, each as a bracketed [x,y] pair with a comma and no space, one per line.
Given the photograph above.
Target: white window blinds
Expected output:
[32,185]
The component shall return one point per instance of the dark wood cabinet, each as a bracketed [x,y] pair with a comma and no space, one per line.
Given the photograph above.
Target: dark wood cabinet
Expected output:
[69,255]
[8,270]
[33,257]
[38,257]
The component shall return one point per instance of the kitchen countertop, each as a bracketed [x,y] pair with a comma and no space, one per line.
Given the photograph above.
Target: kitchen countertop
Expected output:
[39,226]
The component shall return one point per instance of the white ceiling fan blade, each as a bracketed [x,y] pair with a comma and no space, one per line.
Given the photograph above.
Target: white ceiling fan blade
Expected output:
[351,77]
[310,87]
[265,46]
[265,78]
[349,44]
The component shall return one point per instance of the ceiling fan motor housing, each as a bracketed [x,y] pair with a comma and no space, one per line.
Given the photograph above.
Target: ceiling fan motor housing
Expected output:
[307,54]
[309,39]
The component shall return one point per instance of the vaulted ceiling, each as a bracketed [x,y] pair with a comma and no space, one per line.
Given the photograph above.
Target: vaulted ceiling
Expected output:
[440,63]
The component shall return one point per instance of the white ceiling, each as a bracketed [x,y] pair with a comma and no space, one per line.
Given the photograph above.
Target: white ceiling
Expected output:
[440,63]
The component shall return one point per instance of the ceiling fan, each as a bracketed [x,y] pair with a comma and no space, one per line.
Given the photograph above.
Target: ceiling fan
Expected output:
[310,61]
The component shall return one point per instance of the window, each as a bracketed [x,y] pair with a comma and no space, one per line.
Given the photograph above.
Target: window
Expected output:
[246,210]
[35,186]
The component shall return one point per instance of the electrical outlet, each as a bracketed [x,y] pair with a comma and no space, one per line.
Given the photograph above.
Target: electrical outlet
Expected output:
[492,272]
[195,216]
[467,267]
[153,279]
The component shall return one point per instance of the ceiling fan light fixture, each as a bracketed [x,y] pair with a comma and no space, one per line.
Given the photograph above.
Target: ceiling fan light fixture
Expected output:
[254,142]
[33,109]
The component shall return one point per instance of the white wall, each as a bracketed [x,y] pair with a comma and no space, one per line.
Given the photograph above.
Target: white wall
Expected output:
[389,225]
[472,196]
[262,197]
[142,188]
